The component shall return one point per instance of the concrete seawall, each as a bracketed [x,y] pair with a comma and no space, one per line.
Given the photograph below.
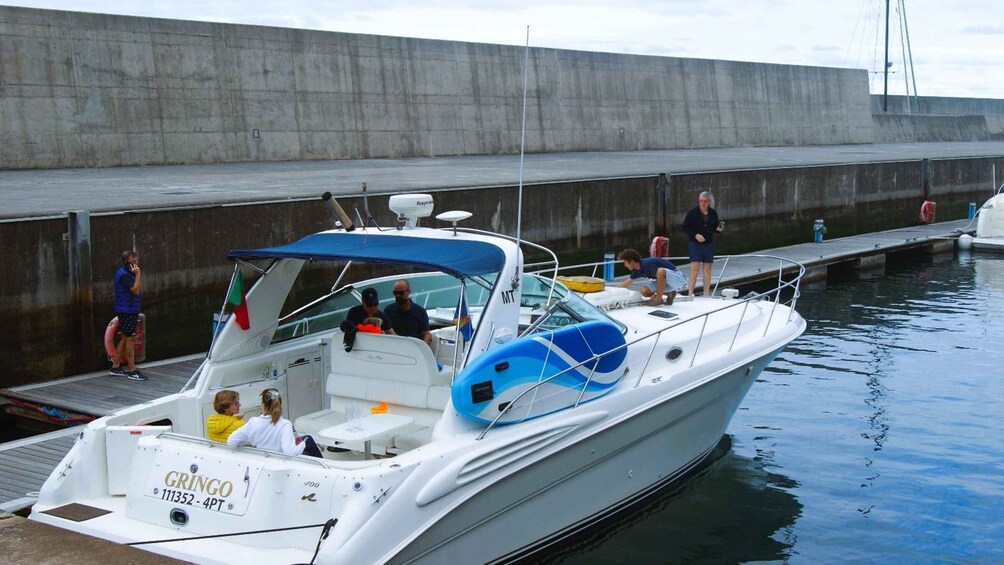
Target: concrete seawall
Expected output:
[53,310]
[938,106]
[937,118]
[93,90]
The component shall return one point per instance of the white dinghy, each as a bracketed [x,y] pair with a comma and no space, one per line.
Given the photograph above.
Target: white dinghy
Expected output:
[533,414]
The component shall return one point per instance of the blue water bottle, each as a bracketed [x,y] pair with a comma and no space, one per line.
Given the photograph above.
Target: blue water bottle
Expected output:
[608,266]
[972,210]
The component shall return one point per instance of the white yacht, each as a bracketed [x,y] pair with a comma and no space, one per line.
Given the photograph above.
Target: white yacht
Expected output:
[535,412]
[990,223]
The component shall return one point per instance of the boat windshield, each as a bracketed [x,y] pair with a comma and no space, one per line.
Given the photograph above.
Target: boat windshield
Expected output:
[436,292]
[574,309]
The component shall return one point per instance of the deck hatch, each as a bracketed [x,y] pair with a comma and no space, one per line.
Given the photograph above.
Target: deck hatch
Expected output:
[76,512]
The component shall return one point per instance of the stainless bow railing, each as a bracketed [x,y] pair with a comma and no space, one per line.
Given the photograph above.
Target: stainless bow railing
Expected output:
[782,285]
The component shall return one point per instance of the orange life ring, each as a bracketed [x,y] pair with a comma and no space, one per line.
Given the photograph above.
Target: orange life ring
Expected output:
[927,211]
[110,331]
[659,247]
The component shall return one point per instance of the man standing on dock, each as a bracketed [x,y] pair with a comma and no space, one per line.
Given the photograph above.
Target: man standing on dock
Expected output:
[701,224]
[127,307]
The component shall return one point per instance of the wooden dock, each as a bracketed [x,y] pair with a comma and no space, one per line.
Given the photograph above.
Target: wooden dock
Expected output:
[100,394]
[859,252]
[24,464]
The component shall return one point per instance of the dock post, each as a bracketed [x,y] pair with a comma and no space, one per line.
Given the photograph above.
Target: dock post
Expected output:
[943,246]
[870,262]
[81,291]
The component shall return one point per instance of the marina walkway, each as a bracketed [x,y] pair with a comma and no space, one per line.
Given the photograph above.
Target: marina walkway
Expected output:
[40,193]
[24,464]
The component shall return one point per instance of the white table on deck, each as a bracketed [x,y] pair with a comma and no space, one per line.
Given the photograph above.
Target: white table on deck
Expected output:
[365,429]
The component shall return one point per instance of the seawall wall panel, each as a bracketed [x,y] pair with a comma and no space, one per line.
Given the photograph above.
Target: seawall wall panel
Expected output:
[92,90]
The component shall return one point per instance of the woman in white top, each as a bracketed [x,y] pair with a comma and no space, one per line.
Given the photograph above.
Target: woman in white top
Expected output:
[271,431]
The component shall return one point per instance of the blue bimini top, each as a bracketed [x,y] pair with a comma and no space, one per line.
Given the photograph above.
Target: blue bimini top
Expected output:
[459,257]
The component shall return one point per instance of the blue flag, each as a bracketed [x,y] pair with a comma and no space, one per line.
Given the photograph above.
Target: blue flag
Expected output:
[463,317]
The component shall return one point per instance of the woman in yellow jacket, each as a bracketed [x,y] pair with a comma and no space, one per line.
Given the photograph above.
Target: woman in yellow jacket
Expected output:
[219,426]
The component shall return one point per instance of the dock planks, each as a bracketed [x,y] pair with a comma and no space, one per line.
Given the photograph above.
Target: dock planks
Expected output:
[830,252]
[26,463]
[100,394]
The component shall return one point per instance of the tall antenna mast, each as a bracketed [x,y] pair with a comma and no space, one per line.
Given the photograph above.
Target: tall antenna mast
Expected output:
[909,51]
[522,139]
[902,47]
[885,67]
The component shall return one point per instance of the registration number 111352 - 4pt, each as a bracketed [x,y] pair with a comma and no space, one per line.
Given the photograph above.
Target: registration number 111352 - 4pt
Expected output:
[187,498]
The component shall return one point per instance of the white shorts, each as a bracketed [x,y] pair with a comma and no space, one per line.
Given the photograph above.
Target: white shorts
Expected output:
[675,280]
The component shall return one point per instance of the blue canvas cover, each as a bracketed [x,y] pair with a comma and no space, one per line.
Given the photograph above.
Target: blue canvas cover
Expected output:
[454,256]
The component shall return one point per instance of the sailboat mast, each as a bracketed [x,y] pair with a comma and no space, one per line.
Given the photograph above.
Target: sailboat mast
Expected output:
[909,51]
[885,67]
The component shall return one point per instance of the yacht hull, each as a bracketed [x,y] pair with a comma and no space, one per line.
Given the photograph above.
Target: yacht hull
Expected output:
[573,488]
[988,243]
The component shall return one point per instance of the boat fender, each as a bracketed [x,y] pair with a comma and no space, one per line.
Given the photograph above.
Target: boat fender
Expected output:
[927,211]
[659,247]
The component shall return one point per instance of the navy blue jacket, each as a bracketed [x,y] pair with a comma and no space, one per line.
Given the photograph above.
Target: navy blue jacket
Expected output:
[694,224]
[125,301]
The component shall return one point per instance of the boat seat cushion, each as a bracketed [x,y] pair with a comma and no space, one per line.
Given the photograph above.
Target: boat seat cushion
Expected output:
[400,371]
[390,357]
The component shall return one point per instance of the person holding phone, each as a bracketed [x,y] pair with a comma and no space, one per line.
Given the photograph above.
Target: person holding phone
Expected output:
[701,224]
[127,307]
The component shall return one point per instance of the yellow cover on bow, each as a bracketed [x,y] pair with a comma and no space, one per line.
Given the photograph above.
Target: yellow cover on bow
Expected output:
[582,284]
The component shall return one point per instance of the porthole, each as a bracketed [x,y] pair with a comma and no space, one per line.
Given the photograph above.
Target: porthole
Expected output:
[179,517]
[674,353]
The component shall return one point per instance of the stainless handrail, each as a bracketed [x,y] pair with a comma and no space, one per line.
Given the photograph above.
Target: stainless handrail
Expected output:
[785,264]
[595,358]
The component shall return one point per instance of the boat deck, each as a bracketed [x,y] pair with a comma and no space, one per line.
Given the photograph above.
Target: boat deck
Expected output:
[25,464]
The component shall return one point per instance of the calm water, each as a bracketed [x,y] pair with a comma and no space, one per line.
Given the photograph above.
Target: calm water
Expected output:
[878,436]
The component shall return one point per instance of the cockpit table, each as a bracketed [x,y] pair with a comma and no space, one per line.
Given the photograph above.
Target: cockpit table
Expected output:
[365,429]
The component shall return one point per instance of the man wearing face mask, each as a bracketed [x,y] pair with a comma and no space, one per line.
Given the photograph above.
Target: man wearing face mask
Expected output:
[406,317]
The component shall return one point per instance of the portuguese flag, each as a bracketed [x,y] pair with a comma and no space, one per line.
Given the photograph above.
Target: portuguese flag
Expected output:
[239,302]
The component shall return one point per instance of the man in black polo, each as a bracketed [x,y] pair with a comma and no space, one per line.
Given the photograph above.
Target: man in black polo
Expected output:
[369,308]
[406,317]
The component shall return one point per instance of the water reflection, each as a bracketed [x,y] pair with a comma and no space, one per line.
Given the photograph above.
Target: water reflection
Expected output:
[886,418]
[732,509]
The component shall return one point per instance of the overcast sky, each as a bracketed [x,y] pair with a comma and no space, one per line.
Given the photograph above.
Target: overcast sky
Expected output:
[958,45]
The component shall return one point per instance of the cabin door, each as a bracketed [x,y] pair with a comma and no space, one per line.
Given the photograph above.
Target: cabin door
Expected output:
[304,389]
